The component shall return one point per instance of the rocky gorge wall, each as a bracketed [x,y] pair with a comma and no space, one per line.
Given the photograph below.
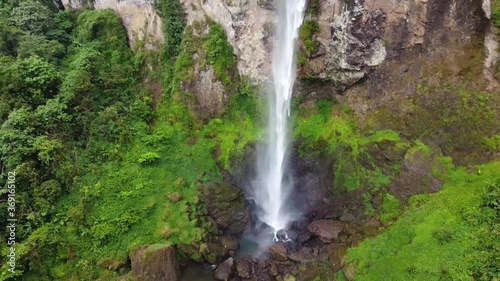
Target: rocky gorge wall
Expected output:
[139,17]
[342,43]
[378,80]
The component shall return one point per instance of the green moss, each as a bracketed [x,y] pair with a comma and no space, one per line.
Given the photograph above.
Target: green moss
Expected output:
[313,8]
[444,235]
[391,207]
[445,115]
[307,32]
[333,130]
[220,54]
[368,206]
[495,11]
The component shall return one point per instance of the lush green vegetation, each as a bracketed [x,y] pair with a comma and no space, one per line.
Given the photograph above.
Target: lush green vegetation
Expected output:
[495,10]
[307,31]
[450,235]
[332,129]
[98,163]
[105,164]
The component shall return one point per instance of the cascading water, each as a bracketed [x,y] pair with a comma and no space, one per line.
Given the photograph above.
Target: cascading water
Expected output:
[271,192]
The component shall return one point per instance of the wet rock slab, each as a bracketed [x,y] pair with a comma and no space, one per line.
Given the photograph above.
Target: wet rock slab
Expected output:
[326,230]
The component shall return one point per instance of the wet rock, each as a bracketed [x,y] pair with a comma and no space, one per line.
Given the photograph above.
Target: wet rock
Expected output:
[191,251]
[304,236]
[373,223]
[244,269]
[157,263]
[347,217]
[273,270]
[229,242]
[326,230]
[302,255]
[278,252]
[225,270]
[226,205]
[211,226]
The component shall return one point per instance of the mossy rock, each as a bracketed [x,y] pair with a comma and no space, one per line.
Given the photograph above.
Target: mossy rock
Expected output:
[226,205]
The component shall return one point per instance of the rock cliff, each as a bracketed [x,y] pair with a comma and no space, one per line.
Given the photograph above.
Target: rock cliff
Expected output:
[342,41]
[139,18]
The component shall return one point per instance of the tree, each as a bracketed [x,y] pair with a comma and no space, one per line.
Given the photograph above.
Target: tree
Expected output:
[34,79]
[38,45]
[31,16]
[9,37]
[16,137]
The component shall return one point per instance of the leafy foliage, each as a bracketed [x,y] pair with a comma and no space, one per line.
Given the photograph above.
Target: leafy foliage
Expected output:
[220,53]
[306,34]
[451,236]
[332,130]
[32,16]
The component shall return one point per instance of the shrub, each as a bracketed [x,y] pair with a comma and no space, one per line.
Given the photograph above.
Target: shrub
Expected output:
[148,158]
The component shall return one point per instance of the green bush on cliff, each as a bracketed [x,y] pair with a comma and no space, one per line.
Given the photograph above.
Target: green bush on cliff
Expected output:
[332,130]
[220,53]
[307,32]
[495,11]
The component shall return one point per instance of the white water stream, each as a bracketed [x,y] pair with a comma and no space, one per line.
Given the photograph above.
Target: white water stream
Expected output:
[272,192]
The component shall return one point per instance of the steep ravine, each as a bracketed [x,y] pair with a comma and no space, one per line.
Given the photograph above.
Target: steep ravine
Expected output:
[395,116]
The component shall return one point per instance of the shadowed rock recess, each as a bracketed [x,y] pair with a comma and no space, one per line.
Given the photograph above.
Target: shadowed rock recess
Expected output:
[131,131]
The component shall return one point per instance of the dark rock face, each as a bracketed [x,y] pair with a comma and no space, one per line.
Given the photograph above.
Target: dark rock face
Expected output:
[226,205]
[363,36]
[217,247]
[350,43]
[151,263]
[326,230]
[225,270]
[244,269]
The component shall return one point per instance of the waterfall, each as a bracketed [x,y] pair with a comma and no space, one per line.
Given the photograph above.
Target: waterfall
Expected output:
[272,192]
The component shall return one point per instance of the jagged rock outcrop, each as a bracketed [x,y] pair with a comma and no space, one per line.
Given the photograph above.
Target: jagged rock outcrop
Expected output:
[225,270]
[351,39]
[139,18]
[248,25]
[326,230]
[416,176]
[226,205]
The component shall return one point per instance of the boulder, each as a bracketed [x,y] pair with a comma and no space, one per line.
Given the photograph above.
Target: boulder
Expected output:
[244,269]
[226,205]
[225,270]
[302,255]
[155,262]
[278,252]
[326,230]
[416,175]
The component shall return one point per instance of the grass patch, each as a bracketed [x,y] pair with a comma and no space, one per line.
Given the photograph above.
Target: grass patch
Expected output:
[447,235]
